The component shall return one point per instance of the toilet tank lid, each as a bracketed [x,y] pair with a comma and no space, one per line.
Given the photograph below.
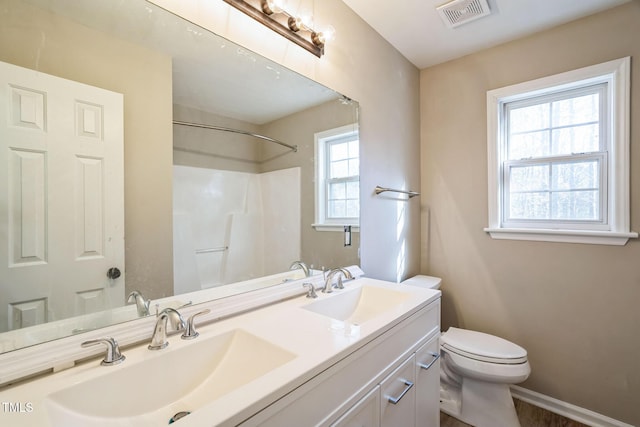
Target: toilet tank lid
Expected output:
[481,344]
[423,281]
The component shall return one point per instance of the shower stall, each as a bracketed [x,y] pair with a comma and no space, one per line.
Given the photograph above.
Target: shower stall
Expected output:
[229,226]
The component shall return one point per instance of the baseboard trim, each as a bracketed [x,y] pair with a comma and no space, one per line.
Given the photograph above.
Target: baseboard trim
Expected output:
[565,409]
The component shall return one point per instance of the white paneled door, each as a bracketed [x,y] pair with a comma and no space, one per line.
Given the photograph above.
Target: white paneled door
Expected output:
[61,198]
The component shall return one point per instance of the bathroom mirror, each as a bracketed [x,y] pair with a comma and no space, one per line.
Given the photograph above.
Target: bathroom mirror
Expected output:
[166,70]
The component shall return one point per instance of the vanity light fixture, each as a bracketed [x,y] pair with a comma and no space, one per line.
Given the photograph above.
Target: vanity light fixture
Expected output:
[297,29]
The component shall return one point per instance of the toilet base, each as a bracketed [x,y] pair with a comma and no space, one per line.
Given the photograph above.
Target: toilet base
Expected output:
[479,403]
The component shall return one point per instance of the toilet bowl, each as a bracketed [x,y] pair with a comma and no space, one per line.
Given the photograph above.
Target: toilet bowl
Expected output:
[476,371]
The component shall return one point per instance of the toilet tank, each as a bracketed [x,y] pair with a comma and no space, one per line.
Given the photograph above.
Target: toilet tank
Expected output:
[423,281]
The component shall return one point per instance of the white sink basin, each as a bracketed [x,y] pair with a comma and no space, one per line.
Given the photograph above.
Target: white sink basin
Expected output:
[358,305]
[151,392]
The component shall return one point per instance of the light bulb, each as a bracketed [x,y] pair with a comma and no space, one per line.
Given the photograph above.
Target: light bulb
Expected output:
[272,6]
[321,38]
[279,5]
[307,20]
[318,39]
[295,23]
[329,33]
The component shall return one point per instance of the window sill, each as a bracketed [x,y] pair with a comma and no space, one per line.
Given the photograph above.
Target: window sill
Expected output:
[335,227]
[564,236]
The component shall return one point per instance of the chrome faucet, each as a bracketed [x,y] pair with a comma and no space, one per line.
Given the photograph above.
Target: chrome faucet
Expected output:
[299,264]
[141,304]
[340,272]
[113,355]
[159,337]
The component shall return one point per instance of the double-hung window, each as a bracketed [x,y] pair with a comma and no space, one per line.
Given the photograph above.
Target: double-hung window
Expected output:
[337,178]
[555,165]
[558,157]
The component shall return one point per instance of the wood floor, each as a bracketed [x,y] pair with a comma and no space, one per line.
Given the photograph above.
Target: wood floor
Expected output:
[529,415]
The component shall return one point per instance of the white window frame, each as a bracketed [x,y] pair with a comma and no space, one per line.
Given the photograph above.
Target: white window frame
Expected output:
[321,139]
[615,229]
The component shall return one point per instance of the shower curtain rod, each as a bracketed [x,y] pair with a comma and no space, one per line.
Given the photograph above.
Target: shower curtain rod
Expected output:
[294,148]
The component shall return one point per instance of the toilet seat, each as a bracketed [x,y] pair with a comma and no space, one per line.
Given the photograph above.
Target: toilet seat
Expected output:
[506,373]
[482,347]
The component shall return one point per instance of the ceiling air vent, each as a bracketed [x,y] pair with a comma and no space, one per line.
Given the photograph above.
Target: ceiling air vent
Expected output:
[458,12]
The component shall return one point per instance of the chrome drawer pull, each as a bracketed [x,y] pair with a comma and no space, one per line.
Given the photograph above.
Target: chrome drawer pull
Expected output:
[435,356]
[395,400]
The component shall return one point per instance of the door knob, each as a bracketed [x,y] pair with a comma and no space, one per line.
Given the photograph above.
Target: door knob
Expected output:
[113,273]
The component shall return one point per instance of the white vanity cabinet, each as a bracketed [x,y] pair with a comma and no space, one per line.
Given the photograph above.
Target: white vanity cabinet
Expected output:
[356,390]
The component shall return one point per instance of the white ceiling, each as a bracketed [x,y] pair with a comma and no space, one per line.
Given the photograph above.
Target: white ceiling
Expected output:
[415,29]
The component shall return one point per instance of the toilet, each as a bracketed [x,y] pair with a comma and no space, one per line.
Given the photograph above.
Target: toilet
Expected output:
[476,371]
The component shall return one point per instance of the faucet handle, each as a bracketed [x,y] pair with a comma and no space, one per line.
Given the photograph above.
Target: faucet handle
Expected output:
[186,304]
[113,355]
[311,292]
[190,332]
[347,276]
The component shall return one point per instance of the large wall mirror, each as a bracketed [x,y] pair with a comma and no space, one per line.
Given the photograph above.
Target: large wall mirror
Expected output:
[172,180]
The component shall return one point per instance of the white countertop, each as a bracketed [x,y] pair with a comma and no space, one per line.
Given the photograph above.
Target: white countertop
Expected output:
[316,342]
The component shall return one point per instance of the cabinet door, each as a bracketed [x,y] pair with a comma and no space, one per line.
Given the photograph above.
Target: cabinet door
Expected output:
[365,413]
[397,406]
[428,384]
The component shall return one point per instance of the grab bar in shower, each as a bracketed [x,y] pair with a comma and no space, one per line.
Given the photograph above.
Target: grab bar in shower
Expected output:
[210,250]
[411,194]
[293,148]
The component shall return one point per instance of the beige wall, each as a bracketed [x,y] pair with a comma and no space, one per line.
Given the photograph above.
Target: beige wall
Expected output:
[573,307]
[364,67]
[32,38]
